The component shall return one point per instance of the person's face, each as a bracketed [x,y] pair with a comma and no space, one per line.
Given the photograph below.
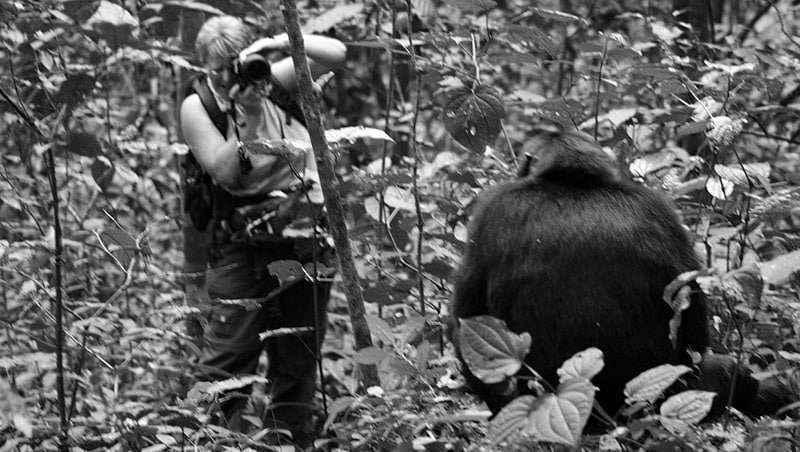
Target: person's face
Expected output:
[219,74]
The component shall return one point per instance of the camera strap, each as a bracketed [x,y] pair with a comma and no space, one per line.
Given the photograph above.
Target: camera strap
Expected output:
[210,104]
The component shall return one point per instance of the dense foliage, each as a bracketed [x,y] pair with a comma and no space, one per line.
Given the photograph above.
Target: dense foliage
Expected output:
[94,350]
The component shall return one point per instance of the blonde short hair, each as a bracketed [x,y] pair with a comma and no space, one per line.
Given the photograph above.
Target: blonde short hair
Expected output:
[222,37]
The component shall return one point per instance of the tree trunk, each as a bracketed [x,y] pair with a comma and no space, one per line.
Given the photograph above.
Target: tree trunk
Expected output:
[310,100]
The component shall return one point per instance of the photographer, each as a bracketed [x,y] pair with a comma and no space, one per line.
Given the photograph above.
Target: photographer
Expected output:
[253,199]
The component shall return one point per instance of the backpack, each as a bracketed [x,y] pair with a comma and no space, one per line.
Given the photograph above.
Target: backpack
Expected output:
[205,200]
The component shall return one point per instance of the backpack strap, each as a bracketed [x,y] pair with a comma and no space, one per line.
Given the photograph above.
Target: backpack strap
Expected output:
[219,118]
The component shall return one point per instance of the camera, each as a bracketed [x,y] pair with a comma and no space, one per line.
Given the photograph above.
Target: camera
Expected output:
[250,69]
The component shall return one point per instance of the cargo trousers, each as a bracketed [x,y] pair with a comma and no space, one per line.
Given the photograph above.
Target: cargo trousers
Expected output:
[238,275]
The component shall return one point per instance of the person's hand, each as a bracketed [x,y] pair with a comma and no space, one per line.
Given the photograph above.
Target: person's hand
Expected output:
[249,98]
[262,45]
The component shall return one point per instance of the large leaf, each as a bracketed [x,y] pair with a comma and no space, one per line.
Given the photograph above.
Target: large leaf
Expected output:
[779,270]
[102,172]
[472,6]
[688,406]
[561,418]
[472,117]
[83,143]
[113,24]
[650,384]
[205,391]
[510,421]
[745,174]
[536,38]
[370,356]
[333,17]
[585,364]
[121,244]
[491,351]
[352,134]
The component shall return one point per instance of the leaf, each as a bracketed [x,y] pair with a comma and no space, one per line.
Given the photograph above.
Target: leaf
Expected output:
[555,419]
[579,392]
[83,143]
[400,198]
[558,16]
[778,271]
[491,351]
[74,89]
[688,406]
[720,188]
[722,131]
[370,356]
[352,134]
[332,17]
[472,6]
[744,174]
[167,440]
[535,36]
[380,330]
[691,128]
[650,384]
[121,244]
[196,6]
[510,421]
[665,33]
[286,147]
[585,364]
[744,285]
[473,117]
[23,424]
[102,172]
[113,23]
[203,390]
[287,271]
[43,361]
[339,406]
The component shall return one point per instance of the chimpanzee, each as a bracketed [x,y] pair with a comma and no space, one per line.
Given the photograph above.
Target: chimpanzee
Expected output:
[578,257]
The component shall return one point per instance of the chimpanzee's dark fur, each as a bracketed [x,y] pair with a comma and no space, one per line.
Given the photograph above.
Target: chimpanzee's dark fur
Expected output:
[579,258]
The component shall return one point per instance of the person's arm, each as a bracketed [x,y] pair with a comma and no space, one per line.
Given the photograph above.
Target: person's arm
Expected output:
[324,54]
[218,155]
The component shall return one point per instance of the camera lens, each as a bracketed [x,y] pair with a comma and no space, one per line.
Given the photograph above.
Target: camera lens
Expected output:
[255,68]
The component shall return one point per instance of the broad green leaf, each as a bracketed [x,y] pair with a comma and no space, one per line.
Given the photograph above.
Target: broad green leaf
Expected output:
[779,270]
[558,16]
[650,384]
[113,23]
[285,148]
[585,364]
[102,172]
[287,271]
[472,6]
[688,406]
[535,37]
[339,406]
[560,418]
[352,134]
[380,330]
[720,188]
[332,17]
[83,143]
[755,173]
[195,6]
[579,392]
[491,351]
[510,421]
[370,356]
[121,244]
[472,117]
[204,390]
